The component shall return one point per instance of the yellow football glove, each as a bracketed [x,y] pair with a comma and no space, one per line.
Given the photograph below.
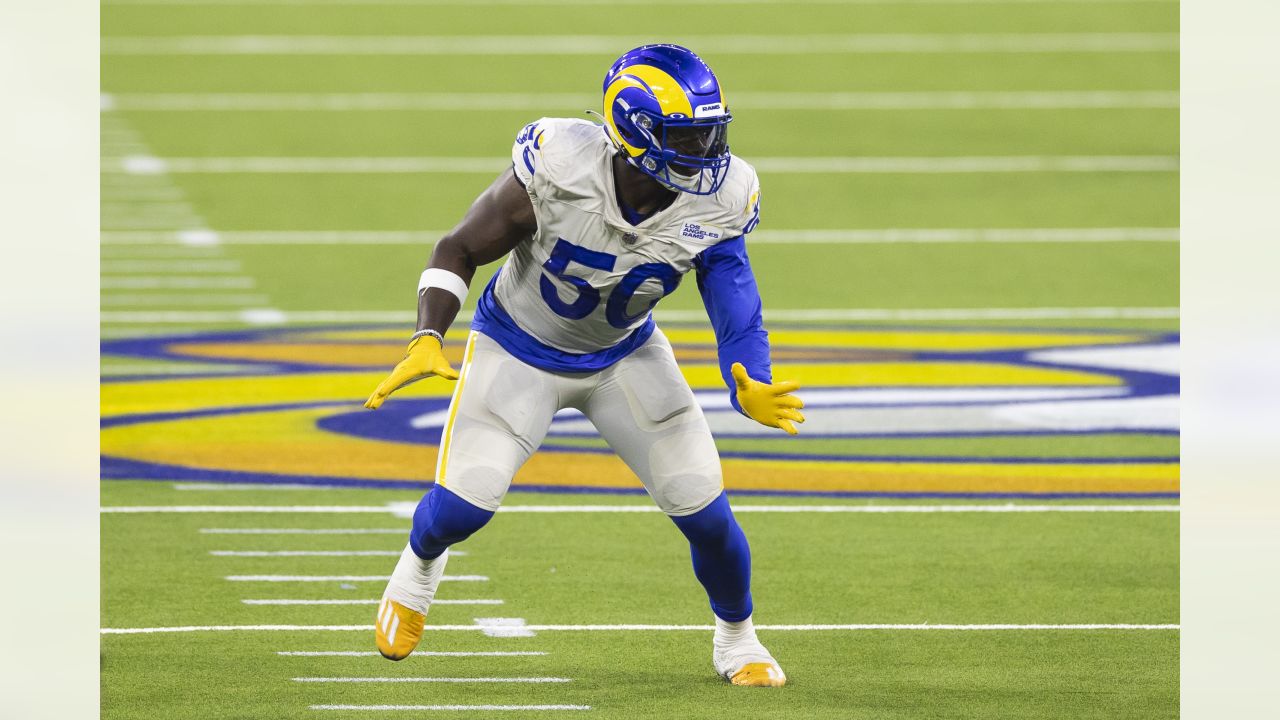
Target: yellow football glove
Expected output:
[423,358]
[770,405]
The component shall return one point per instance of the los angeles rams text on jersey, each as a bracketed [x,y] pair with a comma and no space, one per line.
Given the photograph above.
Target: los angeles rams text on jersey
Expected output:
[586,283]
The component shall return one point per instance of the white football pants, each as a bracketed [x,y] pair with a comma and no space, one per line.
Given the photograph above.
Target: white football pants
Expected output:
[641,405]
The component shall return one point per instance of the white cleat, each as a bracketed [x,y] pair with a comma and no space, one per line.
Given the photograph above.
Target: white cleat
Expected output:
[402,614]
[740,658]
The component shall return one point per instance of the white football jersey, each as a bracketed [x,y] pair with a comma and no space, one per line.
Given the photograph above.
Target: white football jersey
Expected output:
[588,279]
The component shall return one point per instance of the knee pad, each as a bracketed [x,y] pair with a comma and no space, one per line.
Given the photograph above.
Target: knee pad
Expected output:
[442,519]
[684,470]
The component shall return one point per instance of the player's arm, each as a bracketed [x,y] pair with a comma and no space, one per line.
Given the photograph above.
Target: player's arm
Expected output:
[732,300]
[501,218]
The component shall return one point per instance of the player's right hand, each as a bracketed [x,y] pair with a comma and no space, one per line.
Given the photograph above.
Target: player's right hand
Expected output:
[423,358]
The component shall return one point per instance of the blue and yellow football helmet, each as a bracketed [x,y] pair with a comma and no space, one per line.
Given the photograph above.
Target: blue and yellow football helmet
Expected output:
[664,110]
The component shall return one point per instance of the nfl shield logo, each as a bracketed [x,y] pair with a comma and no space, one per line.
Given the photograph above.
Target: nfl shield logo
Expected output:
[629,238]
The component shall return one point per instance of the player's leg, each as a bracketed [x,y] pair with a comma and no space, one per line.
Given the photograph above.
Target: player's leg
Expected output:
[722,563]
[645,410]
[500,412]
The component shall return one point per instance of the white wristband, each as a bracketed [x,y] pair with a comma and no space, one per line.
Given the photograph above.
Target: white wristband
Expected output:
[445,280]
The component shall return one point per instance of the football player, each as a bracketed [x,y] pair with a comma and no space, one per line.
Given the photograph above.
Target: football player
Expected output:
[600,223]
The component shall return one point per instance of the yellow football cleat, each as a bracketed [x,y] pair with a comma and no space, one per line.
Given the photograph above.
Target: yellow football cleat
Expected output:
[398,629]
[760,675]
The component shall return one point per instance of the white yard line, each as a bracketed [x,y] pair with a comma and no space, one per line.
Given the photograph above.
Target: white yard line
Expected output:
[962,164]
[463,708]
[875,509]
[576,3]
[119,148]
[113,193]
[432,680]
[416,653]
[662,628]
[530,45]
[151,210]
[346,102]
[322,553]
[304,531]
[963,235]
[174,282]
[274,237]
[342,578]
[253,317]
[148,164]
[121,189]
[364,602]
[168,300]
[256,316]
[394,508]
[861,627]
[117,218]
[959,100]
[342,509]
[147,205]
[305,553]
[152,251]
[193,265]
[1035,313]
[844,236]
[127,182]
[133,222]
[504,627]
[153,202]
[243,628]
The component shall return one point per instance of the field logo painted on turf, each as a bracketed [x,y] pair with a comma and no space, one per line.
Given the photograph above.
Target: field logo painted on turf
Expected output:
[892,411]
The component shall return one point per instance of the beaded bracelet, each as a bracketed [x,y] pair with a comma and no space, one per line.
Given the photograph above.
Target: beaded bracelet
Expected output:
[422,333]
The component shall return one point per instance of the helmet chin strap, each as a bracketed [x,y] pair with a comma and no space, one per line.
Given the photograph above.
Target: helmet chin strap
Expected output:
[608,132]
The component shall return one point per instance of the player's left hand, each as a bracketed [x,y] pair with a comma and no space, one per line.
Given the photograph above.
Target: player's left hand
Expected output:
[770,405]
[423,358]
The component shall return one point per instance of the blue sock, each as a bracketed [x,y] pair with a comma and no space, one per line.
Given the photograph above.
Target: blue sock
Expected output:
[721,558]
[441,520]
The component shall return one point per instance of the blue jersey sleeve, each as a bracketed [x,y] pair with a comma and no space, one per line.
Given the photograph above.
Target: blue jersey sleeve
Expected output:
[732,300]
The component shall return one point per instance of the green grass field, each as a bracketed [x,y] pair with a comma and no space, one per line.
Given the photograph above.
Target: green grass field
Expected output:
[631,568]
[1023,321]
